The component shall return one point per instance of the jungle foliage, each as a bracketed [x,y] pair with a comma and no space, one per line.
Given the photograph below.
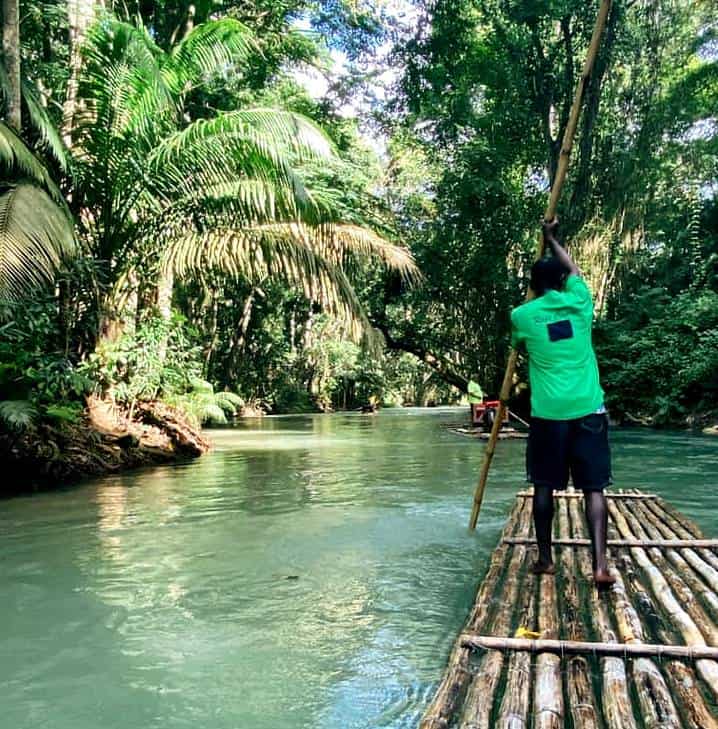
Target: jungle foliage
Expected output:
[181,219]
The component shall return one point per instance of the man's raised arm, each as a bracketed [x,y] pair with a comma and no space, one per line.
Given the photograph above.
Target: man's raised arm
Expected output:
[550,231]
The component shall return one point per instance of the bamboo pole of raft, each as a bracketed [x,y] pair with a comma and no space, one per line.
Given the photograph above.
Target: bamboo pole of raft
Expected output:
[682,678]
[684,523]
[686,529]
[548,691]
[581,699]
[684,624]
[457,675]
[677,581]
[476,711]
[654,696]
[615,697]
[654,542]
[550,213]
[588,648]
[576,495]
[683,562]
[514,709]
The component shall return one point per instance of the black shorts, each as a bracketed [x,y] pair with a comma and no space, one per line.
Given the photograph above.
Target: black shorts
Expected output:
[580,447]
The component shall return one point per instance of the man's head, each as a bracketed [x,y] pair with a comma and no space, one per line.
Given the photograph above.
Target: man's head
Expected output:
[547,273]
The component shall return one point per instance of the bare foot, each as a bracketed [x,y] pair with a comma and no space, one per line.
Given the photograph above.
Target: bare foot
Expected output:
[543,568]
[603,578]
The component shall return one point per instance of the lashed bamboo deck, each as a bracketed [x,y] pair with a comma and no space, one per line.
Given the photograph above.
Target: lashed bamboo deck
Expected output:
[605,660]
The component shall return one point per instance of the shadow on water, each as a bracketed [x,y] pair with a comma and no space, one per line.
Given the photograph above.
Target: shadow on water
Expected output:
[311,572]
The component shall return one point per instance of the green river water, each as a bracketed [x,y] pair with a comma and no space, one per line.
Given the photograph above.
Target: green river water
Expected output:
[311,572]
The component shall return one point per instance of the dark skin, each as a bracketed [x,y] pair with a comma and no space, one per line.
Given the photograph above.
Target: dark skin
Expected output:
[596,505]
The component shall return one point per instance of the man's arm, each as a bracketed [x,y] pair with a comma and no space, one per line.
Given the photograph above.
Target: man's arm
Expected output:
[550,231]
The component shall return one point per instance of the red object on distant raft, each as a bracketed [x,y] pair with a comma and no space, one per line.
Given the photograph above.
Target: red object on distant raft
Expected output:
[480,411]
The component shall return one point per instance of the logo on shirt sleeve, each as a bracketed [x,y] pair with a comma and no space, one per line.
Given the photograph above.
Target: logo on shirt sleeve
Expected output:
[559,330]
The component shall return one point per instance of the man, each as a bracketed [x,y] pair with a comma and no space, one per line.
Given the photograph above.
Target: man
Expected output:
[569,425]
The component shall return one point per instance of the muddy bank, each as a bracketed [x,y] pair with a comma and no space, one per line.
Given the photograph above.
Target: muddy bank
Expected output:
[103,441]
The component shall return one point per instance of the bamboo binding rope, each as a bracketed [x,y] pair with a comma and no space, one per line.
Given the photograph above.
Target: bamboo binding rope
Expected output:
[550,213]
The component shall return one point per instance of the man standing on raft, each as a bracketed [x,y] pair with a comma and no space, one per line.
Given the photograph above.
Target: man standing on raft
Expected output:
[569,424]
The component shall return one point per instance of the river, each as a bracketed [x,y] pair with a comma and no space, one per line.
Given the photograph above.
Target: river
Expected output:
[312,571]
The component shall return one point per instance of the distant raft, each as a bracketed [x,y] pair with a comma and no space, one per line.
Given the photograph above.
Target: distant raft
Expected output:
[472,432]
[642,654]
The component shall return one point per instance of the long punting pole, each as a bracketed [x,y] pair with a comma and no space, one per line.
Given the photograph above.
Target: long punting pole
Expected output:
[550,213]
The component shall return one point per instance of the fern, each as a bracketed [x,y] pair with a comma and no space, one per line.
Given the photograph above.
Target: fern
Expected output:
[17,415]
[205,406]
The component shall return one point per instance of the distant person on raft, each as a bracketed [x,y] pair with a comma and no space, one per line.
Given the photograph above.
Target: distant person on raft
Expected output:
[569,424]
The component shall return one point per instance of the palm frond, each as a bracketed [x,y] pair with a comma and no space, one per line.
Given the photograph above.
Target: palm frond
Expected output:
[298,133]
[36,236]
[38,116]
[210,48]
[18,161]
[340,242]
[41,122]
[310,257]
[211,154]
[122,86]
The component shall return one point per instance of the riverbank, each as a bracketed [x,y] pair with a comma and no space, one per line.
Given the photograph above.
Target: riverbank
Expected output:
[104,440]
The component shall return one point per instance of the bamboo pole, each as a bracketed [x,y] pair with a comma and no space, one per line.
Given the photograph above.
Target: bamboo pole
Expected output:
[654,696]
[671,513]
[550,213]
[615,697]
[682,590]
[589,648]
[683,562]
[684,528]
[654,542]
[578,495]
[548,692]
[681,677]
[514,709]
[479,701]
[581,699]
[684,624]
[457,674]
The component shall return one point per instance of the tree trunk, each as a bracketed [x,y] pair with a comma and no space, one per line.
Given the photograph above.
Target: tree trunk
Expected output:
[11,52]
[439,364]
[80,15]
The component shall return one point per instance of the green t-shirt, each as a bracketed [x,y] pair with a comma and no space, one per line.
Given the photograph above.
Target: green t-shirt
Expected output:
[563,373]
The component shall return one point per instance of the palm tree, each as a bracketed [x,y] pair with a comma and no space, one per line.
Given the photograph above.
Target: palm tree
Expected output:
[184,196]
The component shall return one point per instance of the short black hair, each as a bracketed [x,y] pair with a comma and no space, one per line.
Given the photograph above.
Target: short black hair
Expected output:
[548,273]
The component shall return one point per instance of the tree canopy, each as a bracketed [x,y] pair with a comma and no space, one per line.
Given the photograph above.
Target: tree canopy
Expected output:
[367,240]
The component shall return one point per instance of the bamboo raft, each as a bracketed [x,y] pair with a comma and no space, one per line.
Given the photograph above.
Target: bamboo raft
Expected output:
[476,432]
[641,655]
